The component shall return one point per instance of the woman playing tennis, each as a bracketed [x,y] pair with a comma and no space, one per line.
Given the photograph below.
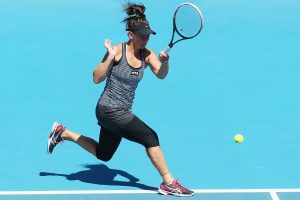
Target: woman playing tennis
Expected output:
[123,67]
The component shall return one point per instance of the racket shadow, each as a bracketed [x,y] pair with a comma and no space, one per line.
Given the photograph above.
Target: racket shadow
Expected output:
[102,175]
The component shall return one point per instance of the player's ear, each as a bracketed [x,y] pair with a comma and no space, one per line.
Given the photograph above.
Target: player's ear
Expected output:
[130,35]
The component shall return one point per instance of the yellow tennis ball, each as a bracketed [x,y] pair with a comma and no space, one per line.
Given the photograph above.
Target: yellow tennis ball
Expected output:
[238,138]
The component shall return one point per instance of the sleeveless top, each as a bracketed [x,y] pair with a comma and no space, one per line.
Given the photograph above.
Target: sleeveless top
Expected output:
[122,81]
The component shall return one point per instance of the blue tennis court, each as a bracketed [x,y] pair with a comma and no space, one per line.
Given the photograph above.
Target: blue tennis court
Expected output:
[240,75]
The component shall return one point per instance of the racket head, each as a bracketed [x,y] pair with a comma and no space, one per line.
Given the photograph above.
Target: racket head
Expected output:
[188,20]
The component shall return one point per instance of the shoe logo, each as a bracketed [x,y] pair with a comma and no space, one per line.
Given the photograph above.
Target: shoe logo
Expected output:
[174,190]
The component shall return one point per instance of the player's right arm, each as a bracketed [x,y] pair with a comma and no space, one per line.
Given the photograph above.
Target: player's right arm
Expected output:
[100,72]
[158,64]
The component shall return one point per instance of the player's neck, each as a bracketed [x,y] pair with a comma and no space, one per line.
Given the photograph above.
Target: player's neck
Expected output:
[131,49]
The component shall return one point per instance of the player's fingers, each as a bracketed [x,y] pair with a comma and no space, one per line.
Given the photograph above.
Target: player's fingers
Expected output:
[163,56]
[106,43]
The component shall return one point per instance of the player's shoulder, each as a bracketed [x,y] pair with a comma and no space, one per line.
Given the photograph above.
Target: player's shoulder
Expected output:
[118,46]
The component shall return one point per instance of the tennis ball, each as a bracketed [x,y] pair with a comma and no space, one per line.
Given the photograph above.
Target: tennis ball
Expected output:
[238,138]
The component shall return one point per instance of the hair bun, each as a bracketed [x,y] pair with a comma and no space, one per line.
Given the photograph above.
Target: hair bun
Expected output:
[135,14]
[132,8]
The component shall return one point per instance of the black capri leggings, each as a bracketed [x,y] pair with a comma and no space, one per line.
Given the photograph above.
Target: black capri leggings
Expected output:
[112,132]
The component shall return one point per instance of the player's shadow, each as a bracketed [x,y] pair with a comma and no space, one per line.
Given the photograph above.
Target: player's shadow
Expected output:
[102,175]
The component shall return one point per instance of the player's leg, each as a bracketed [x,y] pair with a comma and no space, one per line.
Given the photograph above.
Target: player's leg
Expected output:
[85,142]
[59,133]
[157,158]
[139,132]
[107,145]
[104,150]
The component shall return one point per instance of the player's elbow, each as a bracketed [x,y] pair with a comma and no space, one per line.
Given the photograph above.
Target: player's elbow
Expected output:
[161,76]
[96,78]
[96,81]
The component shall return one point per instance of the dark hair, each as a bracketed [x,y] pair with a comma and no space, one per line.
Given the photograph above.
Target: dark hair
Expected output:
[135,15]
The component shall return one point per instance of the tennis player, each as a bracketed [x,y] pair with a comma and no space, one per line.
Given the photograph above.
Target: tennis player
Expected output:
[123,67]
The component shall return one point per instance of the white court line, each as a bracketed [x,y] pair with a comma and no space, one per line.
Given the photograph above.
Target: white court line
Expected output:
[245,190]
[274,196]
[273,192]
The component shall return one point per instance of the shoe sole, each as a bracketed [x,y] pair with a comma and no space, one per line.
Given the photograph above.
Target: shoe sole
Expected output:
[54,126]
[163,192]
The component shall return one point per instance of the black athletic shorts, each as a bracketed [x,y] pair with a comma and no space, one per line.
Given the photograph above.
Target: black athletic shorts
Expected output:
[117,124]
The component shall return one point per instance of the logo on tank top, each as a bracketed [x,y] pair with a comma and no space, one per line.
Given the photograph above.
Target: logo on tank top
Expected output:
[135,72]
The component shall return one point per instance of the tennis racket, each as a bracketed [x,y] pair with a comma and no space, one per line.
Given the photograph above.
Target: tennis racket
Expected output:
[187,23]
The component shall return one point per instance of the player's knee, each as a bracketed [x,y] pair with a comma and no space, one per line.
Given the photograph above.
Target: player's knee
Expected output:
[103,157]
[151,140]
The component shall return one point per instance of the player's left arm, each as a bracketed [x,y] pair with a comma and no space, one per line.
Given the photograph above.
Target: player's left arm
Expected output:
[158,64]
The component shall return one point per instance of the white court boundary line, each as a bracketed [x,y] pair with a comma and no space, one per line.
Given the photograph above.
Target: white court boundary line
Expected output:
[272,192]
[274,196]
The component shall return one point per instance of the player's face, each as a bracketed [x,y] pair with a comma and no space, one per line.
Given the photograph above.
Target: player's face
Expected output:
[141,40]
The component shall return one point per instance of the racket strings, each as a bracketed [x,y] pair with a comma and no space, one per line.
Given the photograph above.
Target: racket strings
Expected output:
[188,21]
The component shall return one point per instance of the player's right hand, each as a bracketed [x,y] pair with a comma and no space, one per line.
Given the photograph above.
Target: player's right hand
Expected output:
[112,51]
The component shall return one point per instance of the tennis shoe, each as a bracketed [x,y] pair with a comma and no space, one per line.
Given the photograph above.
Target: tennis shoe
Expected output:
[55,136]
[175,189]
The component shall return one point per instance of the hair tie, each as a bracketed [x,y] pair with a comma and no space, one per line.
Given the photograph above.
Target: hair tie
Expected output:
[134,15]
[141,15]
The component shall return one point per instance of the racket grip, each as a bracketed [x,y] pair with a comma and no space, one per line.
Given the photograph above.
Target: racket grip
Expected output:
[167,50]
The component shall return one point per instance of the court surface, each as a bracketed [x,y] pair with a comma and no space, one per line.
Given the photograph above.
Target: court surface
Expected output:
[240,75]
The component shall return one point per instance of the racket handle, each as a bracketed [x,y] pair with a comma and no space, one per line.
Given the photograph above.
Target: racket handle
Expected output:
[167,50]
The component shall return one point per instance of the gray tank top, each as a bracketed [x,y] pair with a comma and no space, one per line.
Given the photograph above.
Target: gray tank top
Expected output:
[121,83]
